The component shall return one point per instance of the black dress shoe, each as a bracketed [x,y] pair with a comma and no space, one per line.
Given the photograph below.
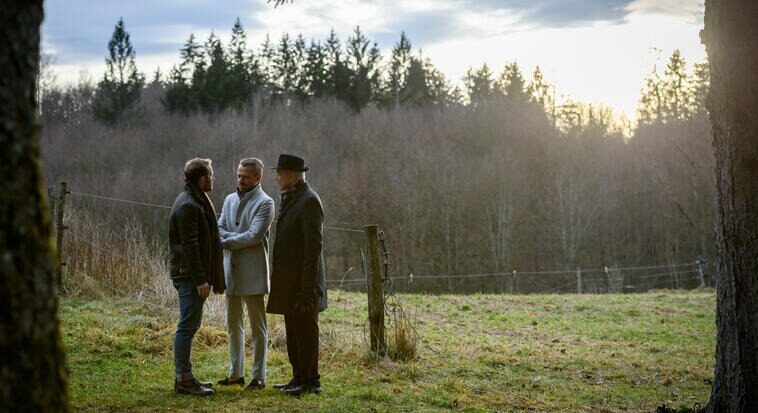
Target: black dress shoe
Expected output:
[285,386]
[303,389]
[191,387]
[239,381]
[255,384]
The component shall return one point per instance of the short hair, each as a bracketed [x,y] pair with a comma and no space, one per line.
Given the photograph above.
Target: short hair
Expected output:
[296,174]
[254,163]
[196,168]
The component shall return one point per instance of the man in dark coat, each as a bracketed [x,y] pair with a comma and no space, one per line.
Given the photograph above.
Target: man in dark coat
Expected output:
[298,279]
[196,266]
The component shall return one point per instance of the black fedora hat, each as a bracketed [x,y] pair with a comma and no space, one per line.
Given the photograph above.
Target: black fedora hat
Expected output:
[291,163]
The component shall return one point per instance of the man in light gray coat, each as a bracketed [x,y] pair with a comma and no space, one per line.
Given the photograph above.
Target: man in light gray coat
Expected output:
[244,229]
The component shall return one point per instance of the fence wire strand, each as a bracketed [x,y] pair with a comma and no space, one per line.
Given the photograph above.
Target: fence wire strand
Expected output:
[360,282]
[148,204]
[126,201]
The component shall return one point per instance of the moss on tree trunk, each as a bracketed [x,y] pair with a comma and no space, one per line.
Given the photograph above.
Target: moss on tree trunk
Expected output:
[32,371]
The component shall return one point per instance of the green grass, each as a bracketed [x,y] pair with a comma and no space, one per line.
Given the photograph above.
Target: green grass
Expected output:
[479,353]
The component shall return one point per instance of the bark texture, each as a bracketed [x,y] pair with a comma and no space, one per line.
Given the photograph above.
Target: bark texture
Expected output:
[32,366]
[731,39]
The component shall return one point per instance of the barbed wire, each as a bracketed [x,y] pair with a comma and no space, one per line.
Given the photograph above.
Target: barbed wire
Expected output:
[346,282]
[110,250]
[127,201]
[654,267]
[562,286]
[359,282]
[638,277]
[344,229]
[148,204]
[665,274]
[547,272]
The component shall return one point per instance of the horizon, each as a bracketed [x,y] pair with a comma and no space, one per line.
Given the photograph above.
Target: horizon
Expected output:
[598,54]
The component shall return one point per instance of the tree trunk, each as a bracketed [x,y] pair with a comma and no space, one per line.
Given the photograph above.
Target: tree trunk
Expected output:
[32,372]
[731,39]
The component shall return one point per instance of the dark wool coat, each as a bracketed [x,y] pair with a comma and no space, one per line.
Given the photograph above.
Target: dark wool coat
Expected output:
[297,271]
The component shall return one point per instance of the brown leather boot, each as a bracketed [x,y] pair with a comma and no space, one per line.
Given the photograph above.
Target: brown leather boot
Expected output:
[191,387]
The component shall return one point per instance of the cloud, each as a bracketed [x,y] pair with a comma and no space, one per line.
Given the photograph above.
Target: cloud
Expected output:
[422,28]
[692,10]
[556,13]
[77,29]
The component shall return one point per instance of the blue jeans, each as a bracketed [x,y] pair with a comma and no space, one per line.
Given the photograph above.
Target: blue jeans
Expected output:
[190,315]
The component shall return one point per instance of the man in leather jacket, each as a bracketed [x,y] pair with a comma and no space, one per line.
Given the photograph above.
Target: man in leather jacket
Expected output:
[196,266]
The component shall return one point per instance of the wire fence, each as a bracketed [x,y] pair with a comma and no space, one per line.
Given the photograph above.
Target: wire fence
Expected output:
[148,204]
[587,281]
[411,281]
[601,279]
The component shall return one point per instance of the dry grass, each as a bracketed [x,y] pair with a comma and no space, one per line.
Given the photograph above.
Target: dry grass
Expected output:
[403,340]
[101,260]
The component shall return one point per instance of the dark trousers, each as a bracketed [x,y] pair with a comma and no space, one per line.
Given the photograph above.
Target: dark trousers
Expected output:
[190,316]
[302,347]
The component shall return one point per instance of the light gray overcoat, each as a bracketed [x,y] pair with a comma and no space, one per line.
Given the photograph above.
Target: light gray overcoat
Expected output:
[244,229]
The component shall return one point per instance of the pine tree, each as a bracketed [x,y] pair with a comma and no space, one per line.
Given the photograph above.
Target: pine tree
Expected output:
[285,69]
[479,85]
[511,84]
[651,106]
[668,98]
[338,72]
[362,63]
[676,88]
[439,88]
[301,85]
[415,91]
[267,64]
[399,65]
[214,88]
[191,54]
[540,91]
[244,73]
[180,97]
[120,88]
[315,72]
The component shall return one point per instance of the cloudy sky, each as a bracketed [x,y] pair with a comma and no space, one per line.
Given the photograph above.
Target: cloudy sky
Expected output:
[592,50]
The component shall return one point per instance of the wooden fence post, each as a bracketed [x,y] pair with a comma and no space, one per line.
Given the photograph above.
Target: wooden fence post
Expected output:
[514,282]
[607,279]
[578,280]
[375,291]
[60,207]
[701,272]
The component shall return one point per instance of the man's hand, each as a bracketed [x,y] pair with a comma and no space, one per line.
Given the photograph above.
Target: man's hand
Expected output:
[204,290]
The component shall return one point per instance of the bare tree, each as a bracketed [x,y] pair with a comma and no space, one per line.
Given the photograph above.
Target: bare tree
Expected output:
[731,40]
[33,372]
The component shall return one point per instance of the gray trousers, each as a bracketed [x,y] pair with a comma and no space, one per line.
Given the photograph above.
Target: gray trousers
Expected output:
[256,312]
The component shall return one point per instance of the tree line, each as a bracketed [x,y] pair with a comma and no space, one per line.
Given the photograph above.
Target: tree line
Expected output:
[213,77]
[504,178]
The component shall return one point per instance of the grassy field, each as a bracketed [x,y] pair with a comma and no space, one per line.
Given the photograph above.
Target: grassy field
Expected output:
[480,353]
